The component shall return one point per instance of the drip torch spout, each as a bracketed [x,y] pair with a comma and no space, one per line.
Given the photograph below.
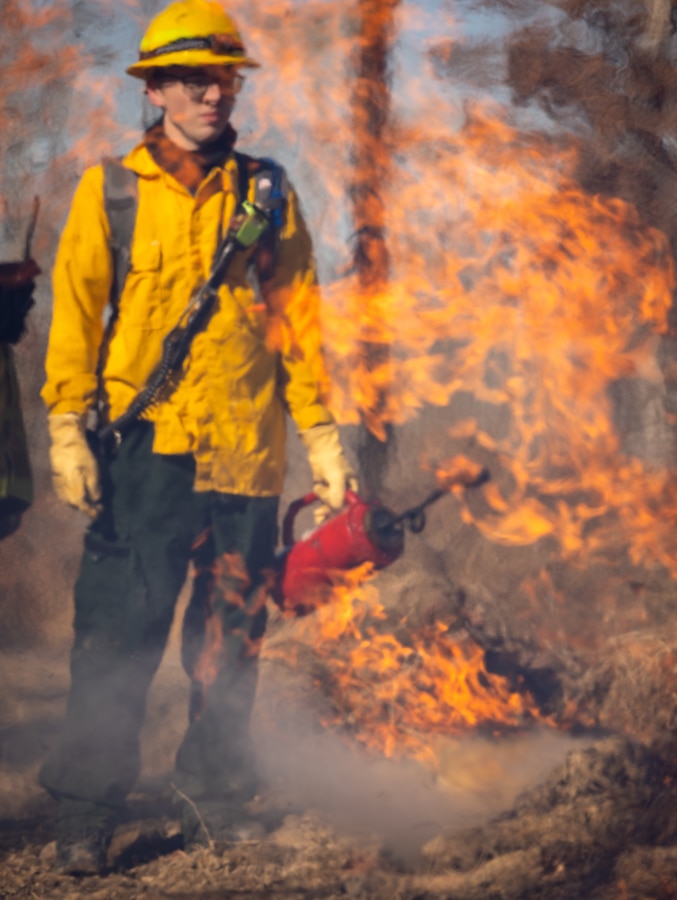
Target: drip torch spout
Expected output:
[387,525]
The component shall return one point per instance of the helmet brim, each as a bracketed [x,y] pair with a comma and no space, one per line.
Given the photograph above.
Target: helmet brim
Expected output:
[206,57]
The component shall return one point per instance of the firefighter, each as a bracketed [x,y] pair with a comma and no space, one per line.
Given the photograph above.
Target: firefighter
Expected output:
[199,475]
[16,482]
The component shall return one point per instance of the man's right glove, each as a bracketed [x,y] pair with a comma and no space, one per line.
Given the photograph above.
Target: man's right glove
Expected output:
[75,472]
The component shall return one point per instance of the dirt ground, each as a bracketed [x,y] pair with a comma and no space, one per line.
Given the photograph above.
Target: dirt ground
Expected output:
[497,819]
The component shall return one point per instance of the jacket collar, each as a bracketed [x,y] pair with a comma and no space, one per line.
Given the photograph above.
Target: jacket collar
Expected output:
[140,161]
[157,155]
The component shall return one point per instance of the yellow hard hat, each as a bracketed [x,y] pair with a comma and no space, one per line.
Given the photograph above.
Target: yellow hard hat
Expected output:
[190,33]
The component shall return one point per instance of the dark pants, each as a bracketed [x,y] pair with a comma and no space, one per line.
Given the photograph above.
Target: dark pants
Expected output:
[134,564]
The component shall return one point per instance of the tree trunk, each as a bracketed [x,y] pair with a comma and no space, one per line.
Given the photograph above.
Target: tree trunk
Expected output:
[371,160]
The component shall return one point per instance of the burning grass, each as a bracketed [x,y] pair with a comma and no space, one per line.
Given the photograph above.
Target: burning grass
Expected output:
[393,693]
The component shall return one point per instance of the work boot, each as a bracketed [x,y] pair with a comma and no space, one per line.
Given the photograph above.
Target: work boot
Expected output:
[83,854]
[84,830]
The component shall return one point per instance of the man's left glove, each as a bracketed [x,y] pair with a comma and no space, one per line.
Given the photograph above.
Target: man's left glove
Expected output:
[75,472]
[332,472]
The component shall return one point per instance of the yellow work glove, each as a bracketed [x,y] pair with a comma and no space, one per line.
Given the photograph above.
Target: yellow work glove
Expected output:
[75,472]
[332,473]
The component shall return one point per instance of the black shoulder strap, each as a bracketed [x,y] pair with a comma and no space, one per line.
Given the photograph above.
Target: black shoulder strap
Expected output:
[243,163]
[121,200]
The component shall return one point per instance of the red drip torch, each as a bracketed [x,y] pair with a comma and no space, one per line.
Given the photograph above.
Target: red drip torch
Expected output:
[361,532]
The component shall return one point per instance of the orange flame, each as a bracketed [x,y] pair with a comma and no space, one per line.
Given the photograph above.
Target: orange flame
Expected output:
[535,309]
[510,294]
[391,696]
[225,582]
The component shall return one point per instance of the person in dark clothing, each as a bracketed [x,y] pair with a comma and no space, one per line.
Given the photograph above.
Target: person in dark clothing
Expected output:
[17,283]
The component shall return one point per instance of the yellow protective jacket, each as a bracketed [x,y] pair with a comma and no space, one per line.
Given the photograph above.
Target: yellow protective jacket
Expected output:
[258,357]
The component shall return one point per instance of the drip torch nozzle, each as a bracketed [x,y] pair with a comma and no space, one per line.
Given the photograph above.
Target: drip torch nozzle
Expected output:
[386,526]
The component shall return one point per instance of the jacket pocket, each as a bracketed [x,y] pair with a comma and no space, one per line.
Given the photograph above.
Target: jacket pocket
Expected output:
[141,301]
[146,257]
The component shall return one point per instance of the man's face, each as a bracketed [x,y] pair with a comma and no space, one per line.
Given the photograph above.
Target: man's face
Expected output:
[197,102]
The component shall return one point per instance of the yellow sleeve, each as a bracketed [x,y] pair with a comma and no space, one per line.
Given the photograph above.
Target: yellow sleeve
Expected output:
[81,285]
[293,298]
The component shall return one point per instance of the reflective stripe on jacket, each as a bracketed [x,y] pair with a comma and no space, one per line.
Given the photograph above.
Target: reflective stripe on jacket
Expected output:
[256,359]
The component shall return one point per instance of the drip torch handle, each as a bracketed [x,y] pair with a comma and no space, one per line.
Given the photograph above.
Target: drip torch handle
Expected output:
[295,508]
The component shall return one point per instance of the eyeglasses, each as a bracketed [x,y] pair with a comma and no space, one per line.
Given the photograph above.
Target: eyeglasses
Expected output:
[196,84]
